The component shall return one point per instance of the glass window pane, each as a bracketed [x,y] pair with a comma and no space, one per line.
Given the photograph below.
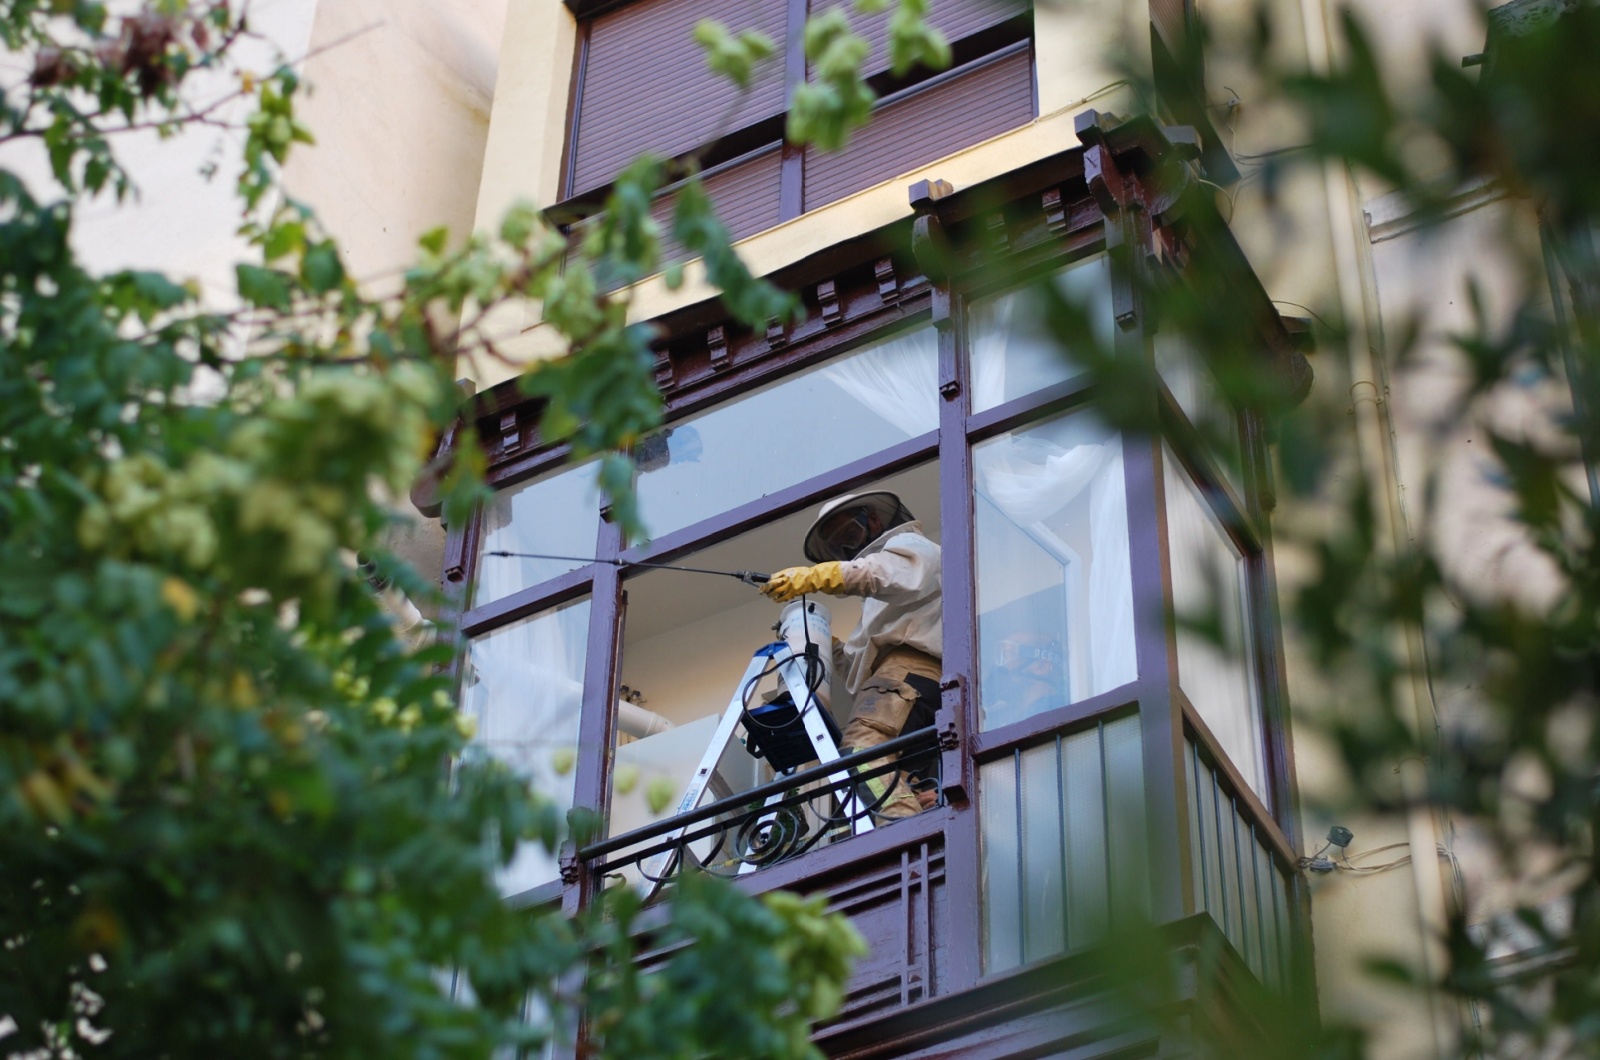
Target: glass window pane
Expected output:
[1210,832]
[1088,912]
[1197,850]
[1123,747]
[524,688]
[1197,392]
[785,433]
[556,515]
[1002,873]
[1055,595]
[1208,596]
[1044,927]
[1247,891]
[1265,889]
[1013,351]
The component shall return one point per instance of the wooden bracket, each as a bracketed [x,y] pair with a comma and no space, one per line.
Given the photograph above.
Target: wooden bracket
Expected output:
[1055,211]
[1100,170]
[717,343]
[456,549]
[1124,299]
[888,284]
[777,333]
[510,433]
[828,299]
[924,193]
[666,371]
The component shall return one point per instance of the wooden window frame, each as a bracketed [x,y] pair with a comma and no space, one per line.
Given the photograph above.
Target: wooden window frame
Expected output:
[842,314]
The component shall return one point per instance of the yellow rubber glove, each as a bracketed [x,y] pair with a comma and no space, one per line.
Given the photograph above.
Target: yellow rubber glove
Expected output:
[793,582]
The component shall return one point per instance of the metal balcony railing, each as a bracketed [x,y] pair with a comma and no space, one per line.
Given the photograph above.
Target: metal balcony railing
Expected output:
[772,823]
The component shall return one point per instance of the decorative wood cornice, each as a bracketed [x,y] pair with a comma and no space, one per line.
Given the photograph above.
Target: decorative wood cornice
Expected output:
[1049,209]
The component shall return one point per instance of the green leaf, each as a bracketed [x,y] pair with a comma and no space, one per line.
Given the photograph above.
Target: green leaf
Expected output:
[266,288]
[282,240]
[321,267]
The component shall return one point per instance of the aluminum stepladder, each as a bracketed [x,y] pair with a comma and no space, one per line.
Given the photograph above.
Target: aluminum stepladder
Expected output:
[792,671]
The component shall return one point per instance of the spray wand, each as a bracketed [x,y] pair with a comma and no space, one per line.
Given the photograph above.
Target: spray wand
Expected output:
[749,577]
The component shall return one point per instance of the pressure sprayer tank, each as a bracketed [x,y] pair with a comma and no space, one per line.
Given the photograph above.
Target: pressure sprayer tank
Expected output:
[803,620]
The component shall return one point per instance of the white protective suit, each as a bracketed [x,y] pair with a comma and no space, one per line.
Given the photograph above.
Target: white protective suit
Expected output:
[894,650]
[899,574]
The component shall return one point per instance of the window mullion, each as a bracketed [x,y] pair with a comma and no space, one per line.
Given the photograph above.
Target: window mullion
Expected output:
[962,861]
[791,176]
[597,724]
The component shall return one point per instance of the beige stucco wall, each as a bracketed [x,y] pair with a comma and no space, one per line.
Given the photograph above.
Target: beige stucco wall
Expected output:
[180,220]
[398,96]
[1343,246]
[399,93]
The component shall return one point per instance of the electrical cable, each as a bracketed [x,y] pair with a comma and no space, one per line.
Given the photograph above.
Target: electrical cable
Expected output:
[749,577]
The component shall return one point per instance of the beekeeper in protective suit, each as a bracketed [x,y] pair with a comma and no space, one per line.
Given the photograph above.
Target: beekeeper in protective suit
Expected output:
[869,545]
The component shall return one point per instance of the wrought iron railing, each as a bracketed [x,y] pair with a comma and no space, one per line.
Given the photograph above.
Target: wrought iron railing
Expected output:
[774,822]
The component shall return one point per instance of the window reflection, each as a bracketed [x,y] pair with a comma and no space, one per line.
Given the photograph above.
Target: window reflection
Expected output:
[782,434]
[1195,388]
[557,515]
[524,689]
[1013,351]
[1055,591]
[1215,668]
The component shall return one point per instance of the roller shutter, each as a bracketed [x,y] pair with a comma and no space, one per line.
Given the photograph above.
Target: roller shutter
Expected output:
[1170,21]
[956,19]
[645,85]
[927,123]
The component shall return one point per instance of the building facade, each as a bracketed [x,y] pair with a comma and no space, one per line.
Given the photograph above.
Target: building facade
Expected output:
[1103,770]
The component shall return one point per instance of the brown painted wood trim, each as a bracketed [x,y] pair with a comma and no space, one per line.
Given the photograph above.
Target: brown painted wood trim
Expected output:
[1254,808]
[817,868]
[1268,629]
[522,467]
[1050,401]
[957,719]
[809,343]
[1159,723]
[1051,1005]
[990,744]
[597,725]
[528,601]
[1232,510]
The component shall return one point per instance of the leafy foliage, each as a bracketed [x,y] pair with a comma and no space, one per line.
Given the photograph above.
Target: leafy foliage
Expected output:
[228,829]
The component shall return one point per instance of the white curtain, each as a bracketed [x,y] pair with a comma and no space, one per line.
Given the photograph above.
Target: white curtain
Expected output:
[897,378]
[1111,581]
[1031,479]
[526,692]
[990,328]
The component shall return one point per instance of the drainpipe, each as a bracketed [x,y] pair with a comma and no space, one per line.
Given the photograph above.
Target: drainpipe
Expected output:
[1374,433]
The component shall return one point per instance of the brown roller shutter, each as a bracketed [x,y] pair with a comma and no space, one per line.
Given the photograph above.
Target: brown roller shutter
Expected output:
[956,19]
[645,85]
[981,101]
[1171,22]
[743,193]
